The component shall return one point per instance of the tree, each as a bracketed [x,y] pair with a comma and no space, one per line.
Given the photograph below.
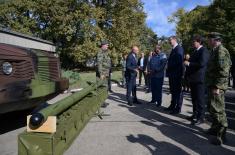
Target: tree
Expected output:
[189,24]
[148,40]
[123,23]
[219,17]
[77,27]
[222,19]
[69,24]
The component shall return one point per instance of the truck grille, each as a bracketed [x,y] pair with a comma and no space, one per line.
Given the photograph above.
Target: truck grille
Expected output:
[48,69]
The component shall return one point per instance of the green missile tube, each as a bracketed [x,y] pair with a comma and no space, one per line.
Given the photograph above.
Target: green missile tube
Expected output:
[37,119]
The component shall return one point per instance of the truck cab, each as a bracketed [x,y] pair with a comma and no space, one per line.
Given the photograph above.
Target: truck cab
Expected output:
[30,71]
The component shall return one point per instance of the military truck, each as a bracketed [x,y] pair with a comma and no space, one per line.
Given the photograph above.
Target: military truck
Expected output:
[30,71]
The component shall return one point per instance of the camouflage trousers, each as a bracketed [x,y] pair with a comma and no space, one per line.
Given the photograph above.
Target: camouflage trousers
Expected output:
[106,81]
[216,108]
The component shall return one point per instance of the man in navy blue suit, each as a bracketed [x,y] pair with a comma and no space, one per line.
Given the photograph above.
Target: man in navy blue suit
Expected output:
[175,73]
[195,73]
[131,74]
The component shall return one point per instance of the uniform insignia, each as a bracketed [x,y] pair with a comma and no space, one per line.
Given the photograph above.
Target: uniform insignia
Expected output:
[221,61]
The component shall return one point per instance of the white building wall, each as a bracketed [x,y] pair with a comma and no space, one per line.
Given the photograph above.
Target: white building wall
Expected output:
[24,42]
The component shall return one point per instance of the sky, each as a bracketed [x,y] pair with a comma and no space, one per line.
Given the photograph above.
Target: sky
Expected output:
[158,10]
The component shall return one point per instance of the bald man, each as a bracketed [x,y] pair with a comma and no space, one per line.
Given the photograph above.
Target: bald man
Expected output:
[131,73]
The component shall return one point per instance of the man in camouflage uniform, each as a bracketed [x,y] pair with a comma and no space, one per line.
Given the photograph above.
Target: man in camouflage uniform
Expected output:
[103,63]
[217,82]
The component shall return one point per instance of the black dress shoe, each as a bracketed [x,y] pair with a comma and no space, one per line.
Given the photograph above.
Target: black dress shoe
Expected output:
[130,103]
[158,104]
[151,102]
[111,91]
[137,102]
[175,111]
[190,118]
[197,121]
[169,109]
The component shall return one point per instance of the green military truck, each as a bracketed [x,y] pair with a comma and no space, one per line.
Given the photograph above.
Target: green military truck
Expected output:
[30,71]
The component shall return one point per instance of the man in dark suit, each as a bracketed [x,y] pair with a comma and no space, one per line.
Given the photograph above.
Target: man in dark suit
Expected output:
[142,66]
[195,73]
[175,73]
[131,74]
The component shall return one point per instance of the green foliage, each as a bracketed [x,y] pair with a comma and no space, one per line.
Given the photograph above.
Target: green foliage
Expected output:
[148,40]
[164,42]
[124,22]
[219,16]
[79,79]
[77,27]
[189,24]
[71,75]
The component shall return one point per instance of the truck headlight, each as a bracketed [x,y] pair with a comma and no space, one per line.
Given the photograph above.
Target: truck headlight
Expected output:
[7,68]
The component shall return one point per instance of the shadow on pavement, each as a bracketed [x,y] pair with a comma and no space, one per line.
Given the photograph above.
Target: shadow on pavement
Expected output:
[181,132]
[118,97]
[13,120]
[155,147]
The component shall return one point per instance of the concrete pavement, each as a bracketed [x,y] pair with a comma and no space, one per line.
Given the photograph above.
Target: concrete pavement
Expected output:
[138,130]
[144,130]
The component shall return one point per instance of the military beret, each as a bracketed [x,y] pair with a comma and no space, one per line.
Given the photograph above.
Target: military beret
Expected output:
[215,35]
[104,42]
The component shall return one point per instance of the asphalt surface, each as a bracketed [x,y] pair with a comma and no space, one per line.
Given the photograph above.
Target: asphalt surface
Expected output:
[139,130]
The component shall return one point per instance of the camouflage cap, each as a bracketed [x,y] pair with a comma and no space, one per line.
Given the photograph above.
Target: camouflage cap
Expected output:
[215,35]
[104,42]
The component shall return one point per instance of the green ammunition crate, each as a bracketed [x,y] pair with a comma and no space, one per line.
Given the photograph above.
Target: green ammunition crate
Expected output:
[69,124]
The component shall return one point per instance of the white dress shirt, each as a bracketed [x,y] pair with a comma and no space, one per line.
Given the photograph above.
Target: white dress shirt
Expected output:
[175,45]
[199,48]
[142,62]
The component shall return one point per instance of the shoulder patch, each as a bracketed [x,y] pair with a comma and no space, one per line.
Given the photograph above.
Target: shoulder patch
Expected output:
[221,61]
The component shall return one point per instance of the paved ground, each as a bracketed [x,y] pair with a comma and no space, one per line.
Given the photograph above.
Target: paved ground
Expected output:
[144,130]
[138,130]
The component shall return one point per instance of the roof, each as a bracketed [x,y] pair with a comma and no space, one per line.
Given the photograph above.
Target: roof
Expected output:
[22,40]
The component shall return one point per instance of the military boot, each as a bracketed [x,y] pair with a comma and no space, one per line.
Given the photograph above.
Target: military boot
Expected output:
[220,137]
[224,135]
[216,140]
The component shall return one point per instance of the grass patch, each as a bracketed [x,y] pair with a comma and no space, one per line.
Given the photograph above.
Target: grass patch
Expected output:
[91,76]
[80,79]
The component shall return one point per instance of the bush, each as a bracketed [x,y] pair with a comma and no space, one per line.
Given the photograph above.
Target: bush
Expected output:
[71,75]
